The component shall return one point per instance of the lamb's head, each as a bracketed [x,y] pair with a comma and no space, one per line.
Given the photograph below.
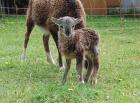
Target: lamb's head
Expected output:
[66,24]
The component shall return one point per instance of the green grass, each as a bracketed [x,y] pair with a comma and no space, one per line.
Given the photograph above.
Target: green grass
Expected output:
[38,82]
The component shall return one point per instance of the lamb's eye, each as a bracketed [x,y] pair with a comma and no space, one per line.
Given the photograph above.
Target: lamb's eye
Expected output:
[73,26]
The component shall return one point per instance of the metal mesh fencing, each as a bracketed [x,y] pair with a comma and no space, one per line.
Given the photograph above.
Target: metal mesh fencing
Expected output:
[116,20]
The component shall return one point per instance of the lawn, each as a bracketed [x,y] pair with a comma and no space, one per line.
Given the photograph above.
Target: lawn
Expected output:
[36,81]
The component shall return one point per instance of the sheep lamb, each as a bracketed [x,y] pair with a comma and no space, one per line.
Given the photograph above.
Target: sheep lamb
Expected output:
[39,13]
[81,44]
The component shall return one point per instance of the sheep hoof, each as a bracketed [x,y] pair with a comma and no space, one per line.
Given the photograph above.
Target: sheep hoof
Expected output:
[62,68]
[82,82]
[94,82]
[50,58]
[50,61]
[23,58]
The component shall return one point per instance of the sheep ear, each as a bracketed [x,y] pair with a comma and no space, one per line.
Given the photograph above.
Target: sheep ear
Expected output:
[55,20]
[78,20]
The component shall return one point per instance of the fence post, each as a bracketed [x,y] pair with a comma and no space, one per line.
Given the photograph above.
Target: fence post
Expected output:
[2,7]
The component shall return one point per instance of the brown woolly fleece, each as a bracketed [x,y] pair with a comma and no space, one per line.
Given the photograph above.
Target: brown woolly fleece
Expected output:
[40,13]
[83,41]
[42,10]
[81,45]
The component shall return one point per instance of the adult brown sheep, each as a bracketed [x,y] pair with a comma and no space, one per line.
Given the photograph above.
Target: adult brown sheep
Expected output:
[40,12]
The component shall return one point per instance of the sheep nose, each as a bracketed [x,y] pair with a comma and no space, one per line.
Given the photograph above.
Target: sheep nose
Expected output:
[67,32]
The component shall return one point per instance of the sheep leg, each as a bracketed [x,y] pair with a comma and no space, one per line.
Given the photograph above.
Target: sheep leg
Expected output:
[68,63]
[62,67]
[86,64]
[46,47]
[95,71]
[30,26]
[89,70]
[55,37]
[79,67]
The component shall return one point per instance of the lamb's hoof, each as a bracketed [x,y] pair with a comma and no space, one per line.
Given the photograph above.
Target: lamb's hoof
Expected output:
[23,58]
[86,80]
[62,68]
[63,82]
[94,82]
[82,82]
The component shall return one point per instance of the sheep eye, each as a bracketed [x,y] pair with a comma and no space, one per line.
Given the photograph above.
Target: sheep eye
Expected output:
[73,26]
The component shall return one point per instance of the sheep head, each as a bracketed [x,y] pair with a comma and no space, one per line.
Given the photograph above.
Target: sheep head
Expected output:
[66,24]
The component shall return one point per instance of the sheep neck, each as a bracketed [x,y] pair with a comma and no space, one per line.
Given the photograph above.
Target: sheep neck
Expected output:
[67,45]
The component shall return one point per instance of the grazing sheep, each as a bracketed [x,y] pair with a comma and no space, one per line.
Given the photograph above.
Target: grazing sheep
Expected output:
[81,44]
[39,13]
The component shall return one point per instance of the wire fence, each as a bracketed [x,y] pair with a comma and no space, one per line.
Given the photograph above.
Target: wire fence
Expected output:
[117,20]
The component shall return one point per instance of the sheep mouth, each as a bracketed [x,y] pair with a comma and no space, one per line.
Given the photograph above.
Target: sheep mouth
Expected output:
[68,34]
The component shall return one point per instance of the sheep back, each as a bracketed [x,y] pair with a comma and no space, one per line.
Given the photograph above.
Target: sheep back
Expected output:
[42,10]
[88,40]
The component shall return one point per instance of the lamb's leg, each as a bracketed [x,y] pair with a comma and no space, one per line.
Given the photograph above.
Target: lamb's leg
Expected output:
[46,47]
[30,26]
[68,63]
[86,64]
[89,70]
[79,67]
[96,67]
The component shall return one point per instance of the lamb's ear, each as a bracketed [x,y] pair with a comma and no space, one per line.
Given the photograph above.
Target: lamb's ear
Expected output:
[77,20]
[55,20]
